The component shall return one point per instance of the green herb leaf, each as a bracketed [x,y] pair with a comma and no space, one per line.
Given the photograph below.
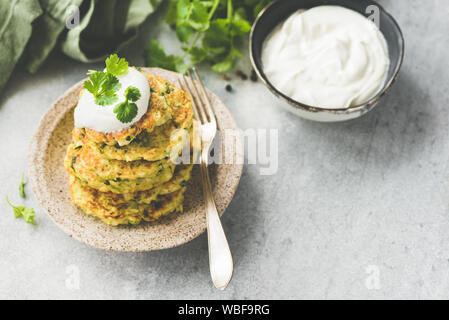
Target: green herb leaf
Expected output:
[155,56]
[126,111]
[180,66]
[27,214]
[22,187]
[111,83]
[224,65]
[73,162]
[106,98]
[184,32]
[171,15]
[193,14]
[183,8]
[240,27]
[217,40]
[103,86]
[197,55]
[115,65]
[198,16]
[93,85]
[132,93]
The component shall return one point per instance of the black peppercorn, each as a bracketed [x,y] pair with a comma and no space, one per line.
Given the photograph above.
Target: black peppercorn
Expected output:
[241,75]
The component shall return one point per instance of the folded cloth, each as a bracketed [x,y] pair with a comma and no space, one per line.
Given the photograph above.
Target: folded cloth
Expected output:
[31,29]
[15,31]
[46,31]
[106,26]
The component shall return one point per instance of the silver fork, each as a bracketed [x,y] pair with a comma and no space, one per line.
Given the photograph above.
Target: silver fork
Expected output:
[220,258]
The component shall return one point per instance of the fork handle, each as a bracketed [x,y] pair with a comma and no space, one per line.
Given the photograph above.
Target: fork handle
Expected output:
[220,258]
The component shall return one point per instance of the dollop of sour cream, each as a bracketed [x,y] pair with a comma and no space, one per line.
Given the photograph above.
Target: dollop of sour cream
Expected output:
[90,115]
[327,56]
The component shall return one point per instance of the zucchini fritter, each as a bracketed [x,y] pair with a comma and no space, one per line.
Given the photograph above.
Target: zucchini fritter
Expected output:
[153,146]
[179,180]
[114,175]
[93,203]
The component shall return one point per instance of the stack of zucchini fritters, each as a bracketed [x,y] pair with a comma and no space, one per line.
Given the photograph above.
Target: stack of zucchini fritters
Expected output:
[127,176]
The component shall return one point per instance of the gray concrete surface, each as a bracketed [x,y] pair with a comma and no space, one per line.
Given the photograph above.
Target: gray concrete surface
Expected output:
[356,209]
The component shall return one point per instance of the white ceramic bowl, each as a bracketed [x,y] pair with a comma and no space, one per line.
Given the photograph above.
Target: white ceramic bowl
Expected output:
[278,11]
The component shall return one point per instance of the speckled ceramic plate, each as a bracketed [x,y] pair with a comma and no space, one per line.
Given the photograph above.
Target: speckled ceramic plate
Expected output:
[49,182]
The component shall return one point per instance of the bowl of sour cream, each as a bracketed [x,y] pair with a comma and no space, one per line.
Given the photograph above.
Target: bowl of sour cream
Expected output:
[329,60]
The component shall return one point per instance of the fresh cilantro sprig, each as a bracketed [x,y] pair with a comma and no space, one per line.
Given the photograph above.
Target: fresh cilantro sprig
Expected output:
[22,187]
[127,110]
[103,86]
[210,31]
[115,65]
[27,214]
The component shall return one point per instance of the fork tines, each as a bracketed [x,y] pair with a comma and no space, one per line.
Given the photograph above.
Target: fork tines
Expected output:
[191,82]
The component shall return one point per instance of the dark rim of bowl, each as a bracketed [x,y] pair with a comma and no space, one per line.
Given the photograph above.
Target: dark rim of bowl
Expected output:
[300,105]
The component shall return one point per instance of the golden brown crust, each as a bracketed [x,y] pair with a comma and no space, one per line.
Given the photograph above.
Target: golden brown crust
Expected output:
[114,175]
[179,180]
[153,146]
[90,201]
